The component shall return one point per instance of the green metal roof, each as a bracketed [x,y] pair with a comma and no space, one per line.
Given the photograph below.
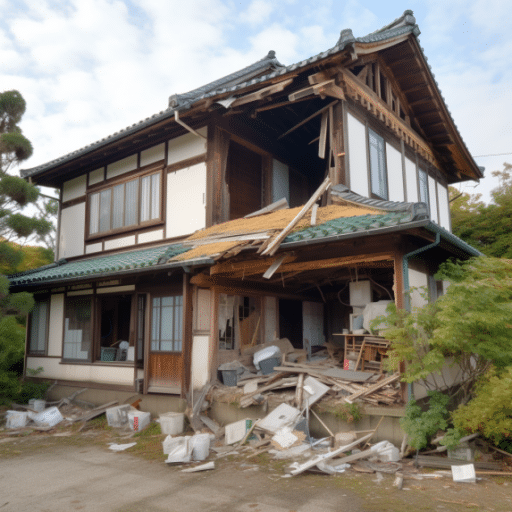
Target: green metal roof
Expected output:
[346,225]
[104,264]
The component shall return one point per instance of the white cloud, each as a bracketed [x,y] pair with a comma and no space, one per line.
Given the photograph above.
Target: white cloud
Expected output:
[257,12]
[277,38]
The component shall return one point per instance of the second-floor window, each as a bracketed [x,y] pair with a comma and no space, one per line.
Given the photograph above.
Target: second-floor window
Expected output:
[378,172]
[128,204]
[423,186]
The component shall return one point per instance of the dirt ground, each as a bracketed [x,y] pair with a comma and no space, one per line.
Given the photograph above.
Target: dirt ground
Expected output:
[63,470]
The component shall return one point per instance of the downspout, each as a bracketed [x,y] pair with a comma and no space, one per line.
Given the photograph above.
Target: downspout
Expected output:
[407,297]
[186,126]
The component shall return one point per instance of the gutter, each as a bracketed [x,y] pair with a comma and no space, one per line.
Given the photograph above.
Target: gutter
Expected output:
[407,297]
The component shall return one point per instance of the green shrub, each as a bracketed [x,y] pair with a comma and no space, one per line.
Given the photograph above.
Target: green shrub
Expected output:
[490,411]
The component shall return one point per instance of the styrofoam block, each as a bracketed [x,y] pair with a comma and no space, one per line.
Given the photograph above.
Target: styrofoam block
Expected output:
[285,438]
[48,418]
[236,431]
[178,449]
[172,423]
[118,416]
[313,391]
[464,473]
[16,419]
[282,416]
[138,420]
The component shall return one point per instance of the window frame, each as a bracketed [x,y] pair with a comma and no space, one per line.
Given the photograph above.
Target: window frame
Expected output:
[178,315]
[382,173]
[44,352]
[92,320]
[137,176]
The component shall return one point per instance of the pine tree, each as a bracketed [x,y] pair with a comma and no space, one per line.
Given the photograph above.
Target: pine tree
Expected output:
[15,226]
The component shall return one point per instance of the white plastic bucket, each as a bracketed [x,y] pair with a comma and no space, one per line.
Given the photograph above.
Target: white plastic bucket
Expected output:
[172,423]
[139,420]
[200,446]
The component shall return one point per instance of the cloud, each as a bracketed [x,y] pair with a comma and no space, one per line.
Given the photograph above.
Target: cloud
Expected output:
[257,12]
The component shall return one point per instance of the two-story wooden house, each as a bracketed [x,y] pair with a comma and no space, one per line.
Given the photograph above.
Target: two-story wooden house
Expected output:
[160,276]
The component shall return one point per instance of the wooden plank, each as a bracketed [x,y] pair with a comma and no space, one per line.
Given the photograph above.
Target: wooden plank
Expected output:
[273,268]
[313,214]
[304,121]
[326,456]
[281,204]
[274,245]
[308,91]
[262,93]
[323,134]
[373,388]
[245,268]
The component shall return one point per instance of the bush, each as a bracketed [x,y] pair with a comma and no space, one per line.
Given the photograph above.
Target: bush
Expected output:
[490,411]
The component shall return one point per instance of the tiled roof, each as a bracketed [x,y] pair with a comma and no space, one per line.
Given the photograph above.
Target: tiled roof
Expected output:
[100,265]
[237,81]
[349,225]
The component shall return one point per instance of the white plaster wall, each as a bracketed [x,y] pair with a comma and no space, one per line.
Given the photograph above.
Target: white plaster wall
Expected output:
[72,231]
[444,207]
[357,150]
[186,146]
[448,377]
[313,322]
[55,329]
[280,181]
[395,175]
[200,361]
[271,327]
[152,155]
[122,166]
[411,181]
[151,236]
[432,196]
[417,280]
[96,176]
[74,188]
[202,310]
[101,374]
[120,242]
[89,249]
[186,200]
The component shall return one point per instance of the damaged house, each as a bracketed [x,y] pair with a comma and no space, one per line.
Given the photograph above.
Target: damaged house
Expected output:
[276,202]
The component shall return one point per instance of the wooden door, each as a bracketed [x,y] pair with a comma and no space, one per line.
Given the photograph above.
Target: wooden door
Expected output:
[164,367]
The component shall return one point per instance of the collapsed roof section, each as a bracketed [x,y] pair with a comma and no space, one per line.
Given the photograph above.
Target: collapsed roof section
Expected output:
[260,236]
[268,96]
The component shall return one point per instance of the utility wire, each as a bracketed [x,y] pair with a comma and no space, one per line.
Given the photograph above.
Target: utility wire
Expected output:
[495,154]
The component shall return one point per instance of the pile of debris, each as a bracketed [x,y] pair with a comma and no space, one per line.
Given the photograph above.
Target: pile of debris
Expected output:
[250,384]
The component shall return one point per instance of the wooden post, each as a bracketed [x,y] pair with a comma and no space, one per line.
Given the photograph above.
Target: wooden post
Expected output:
[186,374]
[217,202]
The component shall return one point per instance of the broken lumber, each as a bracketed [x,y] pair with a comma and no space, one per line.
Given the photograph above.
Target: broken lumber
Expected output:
[326,456]
[375,387]
[274,245]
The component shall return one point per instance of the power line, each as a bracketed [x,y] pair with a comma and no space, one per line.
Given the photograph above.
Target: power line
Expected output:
[495,154]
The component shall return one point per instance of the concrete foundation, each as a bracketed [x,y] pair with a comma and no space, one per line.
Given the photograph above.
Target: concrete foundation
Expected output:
[224,413]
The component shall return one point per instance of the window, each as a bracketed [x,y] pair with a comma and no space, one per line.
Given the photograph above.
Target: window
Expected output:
[378,173]
[423,184]
[126,204]
[38,334]
[166,323]
[77,328]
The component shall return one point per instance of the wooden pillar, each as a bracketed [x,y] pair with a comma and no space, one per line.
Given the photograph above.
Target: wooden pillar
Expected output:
[187,335]
[213,349]
[399,301]
[217,205]
[338,144]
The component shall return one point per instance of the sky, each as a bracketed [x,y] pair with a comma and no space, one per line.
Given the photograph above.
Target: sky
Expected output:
[89,68]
